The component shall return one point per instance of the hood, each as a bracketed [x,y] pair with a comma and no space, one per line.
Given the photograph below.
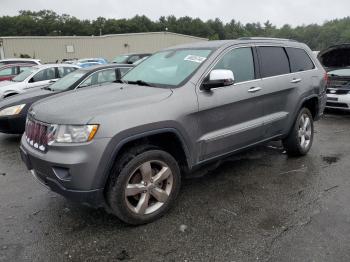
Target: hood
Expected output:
[27,98]
[337,56]
[9,85]
[80,106]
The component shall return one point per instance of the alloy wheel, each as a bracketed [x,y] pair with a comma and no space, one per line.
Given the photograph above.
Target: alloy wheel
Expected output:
[149,187]
[305,131]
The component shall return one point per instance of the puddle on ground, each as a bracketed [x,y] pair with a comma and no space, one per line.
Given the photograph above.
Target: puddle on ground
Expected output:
[330,159]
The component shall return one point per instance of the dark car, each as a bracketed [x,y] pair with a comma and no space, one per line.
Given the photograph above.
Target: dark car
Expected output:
[13,110]
[9,71]
[130,58]
[336,60]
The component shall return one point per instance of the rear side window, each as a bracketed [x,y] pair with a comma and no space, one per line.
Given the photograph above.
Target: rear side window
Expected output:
[23,68]
[299,60]
[273,61]
[63,71]
[8,71]
[240,61]
[100,77]
[124,70]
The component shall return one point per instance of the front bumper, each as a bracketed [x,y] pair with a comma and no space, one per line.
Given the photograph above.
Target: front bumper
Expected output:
[338,101]
[69,170]
[12,124]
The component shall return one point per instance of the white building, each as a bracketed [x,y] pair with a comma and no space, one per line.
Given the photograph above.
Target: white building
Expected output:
[53,48]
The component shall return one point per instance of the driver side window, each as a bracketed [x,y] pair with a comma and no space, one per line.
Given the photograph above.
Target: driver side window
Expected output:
[240,61]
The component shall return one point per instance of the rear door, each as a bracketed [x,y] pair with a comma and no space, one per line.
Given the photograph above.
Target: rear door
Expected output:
[283,74]
[277,88]
[229,117]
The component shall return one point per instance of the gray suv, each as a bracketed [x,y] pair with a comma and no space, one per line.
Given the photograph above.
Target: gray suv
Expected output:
[125,146]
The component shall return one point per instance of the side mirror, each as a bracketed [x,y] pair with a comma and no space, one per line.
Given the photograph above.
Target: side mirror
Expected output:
[53,81]
[218,78]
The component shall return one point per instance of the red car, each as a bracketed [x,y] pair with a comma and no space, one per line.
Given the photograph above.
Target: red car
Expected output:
[9,71]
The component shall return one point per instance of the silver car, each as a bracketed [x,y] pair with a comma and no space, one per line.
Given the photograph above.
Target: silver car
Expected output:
[34,77]
[126,146]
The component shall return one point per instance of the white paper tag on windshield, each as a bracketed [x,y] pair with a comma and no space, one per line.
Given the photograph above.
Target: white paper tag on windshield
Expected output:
[194,58]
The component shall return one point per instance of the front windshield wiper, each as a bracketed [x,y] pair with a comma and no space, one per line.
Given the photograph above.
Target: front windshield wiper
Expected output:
[140,83]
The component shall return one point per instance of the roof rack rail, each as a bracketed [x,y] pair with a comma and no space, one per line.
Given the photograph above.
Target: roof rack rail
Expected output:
[266,38]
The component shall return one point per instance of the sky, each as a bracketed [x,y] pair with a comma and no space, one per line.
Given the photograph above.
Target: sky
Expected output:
[278,12]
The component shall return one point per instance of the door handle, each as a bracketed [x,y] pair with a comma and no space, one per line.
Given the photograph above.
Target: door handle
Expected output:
[254,89]
[296,80]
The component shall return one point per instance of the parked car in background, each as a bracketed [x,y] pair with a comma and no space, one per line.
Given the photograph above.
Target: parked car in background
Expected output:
[13,110]
[336,60]
[87,62]
[130,58]
[19,61]
[9,71]
[34,77]
[125,146]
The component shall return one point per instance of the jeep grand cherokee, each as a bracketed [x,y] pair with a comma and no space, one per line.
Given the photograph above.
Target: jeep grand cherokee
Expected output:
[125,146]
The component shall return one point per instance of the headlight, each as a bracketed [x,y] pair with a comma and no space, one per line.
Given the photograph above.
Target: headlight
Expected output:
[71,133]
[13,110]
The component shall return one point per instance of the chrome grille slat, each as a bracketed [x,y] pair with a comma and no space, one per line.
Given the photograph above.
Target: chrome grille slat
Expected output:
[36,134]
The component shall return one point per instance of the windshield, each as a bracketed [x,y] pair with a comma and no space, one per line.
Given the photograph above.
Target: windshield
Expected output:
[120,59]
[168,68]
[66,82]
[340,72]
[25,74]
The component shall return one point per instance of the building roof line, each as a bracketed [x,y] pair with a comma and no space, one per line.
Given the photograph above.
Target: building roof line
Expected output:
[97,37]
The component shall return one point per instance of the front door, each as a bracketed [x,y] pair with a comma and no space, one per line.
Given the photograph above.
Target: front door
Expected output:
[230,117]
[42,78]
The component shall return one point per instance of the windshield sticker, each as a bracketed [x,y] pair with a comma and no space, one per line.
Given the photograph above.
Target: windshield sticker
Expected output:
[194,58]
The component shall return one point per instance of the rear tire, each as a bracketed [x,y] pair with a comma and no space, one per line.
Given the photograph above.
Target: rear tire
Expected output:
[143,185]
[299,140]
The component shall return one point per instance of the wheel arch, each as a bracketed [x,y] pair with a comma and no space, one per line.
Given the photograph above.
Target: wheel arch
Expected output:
[154,137]
[10,93]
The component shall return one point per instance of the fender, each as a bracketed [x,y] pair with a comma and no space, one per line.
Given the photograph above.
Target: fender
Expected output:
[9,93]
[108,158]
[295,113]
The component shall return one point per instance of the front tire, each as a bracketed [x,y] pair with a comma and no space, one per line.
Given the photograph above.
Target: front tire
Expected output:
[299,140]
[143,185]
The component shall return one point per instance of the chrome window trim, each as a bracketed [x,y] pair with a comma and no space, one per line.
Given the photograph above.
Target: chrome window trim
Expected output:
[257,79]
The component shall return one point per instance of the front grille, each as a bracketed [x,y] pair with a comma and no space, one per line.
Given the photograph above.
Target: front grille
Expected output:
[332,104]
[36,134]
[338,83]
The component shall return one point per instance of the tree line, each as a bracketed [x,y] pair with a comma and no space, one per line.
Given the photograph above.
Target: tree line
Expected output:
[49,23]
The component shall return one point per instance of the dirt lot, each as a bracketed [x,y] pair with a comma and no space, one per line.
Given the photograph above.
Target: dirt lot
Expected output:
[257,206]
